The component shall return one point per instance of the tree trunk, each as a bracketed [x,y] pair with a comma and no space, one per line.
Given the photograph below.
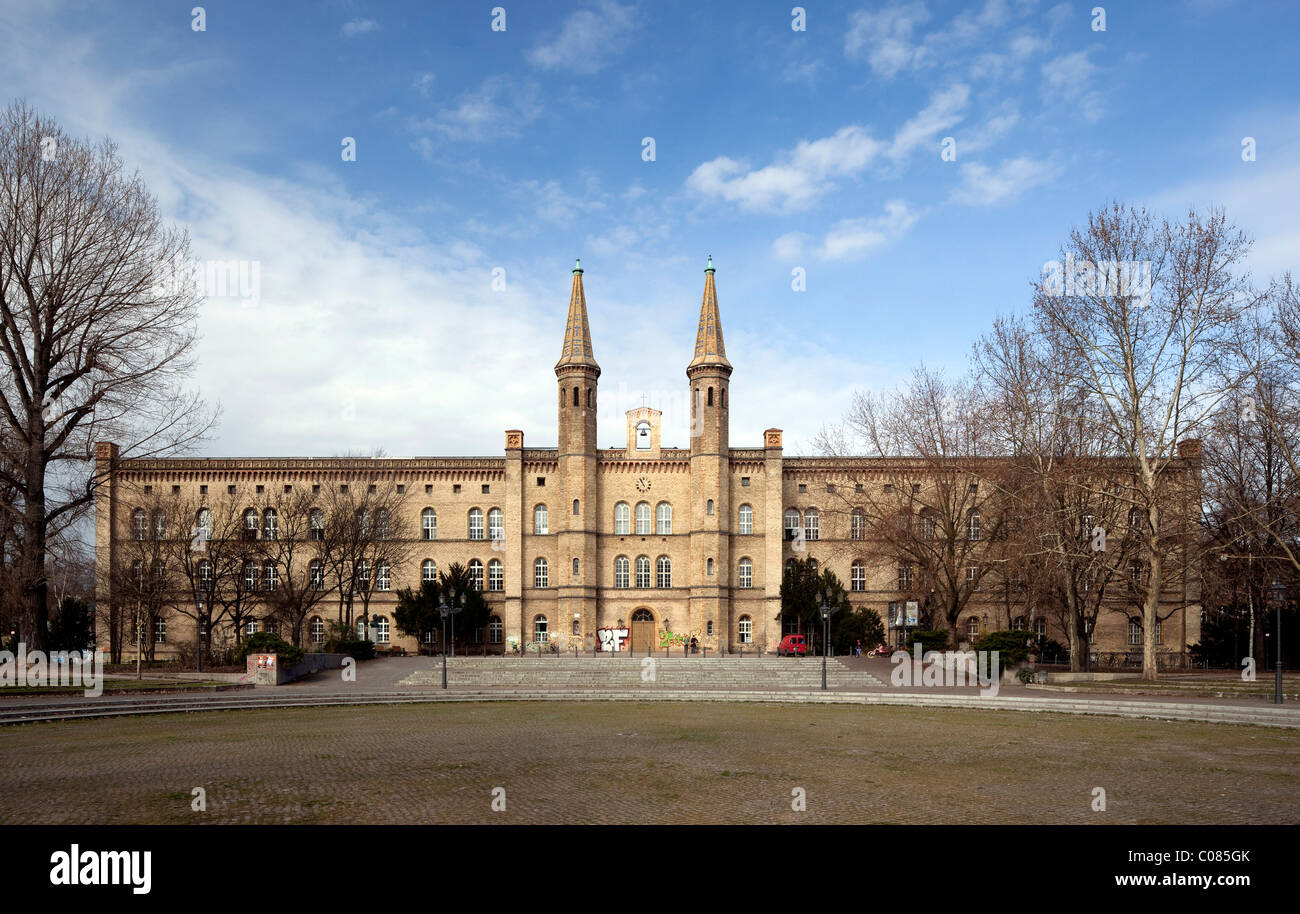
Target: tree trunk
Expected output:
[35,629]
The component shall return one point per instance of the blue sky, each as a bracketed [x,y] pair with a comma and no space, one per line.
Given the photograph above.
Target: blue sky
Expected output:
[506,154]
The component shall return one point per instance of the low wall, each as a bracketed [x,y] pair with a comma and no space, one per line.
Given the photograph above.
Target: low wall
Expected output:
[1090,677]
[265,669]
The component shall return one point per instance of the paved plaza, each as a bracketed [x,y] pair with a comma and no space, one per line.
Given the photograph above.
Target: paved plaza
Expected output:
[631,762]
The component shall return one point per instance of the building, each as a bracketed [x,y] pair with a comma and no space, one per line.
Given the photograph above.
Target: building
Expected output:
[578,546]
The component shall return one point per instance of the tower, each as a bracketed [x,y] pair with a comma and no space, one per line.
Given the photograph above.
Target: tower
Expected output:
[709,374]
[576,373]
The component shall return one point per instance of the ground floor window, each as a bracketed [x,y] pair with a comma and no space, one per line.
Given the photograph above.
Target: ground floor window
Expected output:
[317,630]
[250,628]
[494,630]
[973,627]
[540,634]
[746,630]
[381,629]
[160,631]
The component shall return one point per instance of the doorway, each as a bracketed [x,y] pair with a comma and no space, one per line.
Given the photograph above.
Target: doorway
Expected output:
[643,631]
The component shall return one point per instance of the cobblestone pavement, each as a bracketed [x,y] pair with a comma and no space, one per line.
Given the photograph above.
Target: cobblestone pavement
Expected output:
[634,762]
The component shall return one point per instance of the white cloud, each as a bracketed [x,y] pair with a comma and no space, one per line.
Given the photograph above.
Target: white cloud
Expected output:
[800,177]
[499,107]
[1067,80]
[795,181]
[424,83]
[789,246]
[587,40]
[983,186]
[851,239]
[884,38]
[945,110]
[354,27]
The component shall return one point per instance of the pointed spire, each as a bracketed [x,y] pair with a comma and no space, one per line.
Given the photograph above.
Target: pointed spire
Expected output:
[709,349]
[577,333]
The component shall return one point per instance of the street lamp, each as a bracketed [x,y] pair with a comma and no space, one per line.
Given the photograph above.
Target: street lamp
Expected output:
[826,611]
[1279,597]
[446,612]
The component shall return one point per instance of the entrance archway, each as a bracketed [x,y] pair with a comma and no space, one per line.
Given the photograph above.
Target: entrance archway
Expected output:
[643,630]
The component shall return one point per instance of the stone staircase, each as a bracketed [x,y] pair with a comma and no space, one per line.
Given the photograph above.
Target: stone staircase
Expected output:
[609,672]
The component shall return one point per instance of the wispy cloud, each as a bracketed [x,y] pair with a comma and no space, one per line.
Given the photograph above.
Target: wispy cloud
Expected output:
[499,107]
[354,27]
[984,186]
[587,40]
[1068,80]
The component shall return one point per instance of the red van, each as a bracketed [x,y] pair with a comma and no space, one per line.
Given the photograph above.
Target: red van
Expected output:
[792,645]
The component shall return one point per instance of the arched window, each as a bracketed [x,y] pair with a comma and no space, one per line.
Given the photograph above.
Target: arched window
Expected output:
[316,524]
[250,524]
[642,571]
[140,524]
[643,518]
[203,527]
[496,525]
[745,630]
[745,574]
[973,628]
[381,629]
[429,524]
[575,396]
[664,571]
[792,524]
[541,573]
[494,630]
[622,519]
[540,526]
[575,568]
[622,572]
[270,524]
[384,580]
[540,632]
[476,523]
[317,629]
[708,567]
[363,575]
[858,524]
[973,524]
[476,574]
[858,576]
[383,523]
[811,524]
[496,575]
[576,512]
[708,507]
[664,518]
[363,523]
[428,570]
[643,436]
[710,396]
[159,525]
[316,574]
[746,525]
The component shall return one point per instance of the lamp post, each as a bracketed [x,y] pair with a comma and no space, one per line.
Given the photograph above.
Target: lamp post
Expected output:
[446,612]
[826,611]
[1279,597]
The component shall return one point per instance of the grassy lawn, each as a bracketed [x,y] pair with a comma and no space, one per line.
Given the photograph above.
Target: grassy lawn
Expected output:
[119,687]
[658,763]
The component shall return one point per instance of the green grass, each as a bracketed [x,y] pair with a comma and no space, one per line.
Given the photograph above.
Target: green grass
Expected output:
[119,687]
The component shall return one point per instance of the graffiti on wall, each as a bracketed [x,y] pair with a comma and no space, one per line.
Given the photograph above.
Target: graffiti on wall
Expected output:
[611,639]
[672,639]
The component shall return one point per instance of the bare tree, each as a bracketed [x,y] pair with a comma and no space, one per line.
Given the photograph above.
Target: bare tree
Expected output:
[359,530]
[94,345]
[933,501]
[296,552]
[1144,314]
